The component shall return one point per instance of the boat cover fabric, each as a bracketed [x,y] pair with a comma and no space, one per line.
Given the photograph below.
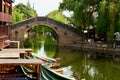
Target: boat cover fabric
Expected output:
[47,74]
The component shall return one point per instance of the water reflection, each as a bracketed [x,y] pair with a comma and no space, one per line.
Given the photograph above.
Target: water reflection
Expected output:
[93,72]
[44,50]
[86,64]
[41,52]
[89,65]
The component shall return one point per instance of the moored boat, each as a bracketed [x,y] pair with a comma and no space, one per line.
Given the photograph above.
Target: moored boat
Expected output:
[49,69]
[49,74]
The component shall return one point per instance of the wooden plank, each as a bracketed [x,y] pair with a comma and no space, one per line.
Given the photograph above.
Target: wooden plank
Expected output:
[38,71]
[12,50]
[20,61]
[9,55]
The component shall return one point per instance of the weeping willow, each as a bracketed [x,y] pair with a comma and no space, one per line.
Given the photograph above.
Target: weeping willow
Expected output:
[101,25]
[118,18]
[113,10]
[106,24]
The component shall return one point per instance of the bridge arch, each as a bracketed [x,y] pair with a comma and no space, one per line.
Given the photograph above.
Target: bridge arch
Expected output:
[54,32]
[66,34]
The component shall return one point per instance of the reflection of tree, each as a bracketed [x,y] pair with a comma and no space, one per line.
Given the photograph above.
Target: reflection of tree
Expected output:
[41,33]
[89,68]
[107,70]
[90,71]
[104,66]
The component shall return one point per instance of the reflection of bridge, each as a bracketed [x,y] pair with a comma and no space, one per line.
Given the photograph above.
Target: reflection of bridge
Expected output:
[65,34]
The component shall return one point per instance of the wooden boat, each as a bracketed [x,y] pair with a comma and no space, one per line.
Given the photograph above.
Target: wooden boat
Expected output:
[46,59]
[53,63]
[14,68]
[48,74]
[31,74]
[45,74]
[50,69]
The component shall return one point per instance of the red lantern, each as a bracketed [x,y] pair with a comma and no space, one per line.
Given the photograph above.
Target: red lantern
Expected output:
[7,5]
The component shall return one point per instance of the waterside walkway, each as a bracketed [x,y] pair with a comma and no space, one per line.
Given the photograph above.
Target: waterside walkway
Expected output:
[97,46]
[97,49]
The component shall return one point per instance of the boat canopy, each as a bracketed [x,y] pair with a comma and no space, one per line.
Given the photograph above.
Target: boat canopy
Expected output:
[47,74]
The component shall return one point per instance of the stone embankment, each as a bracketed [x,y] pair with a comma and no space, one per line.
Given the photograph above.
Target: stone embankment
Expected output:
[96,46]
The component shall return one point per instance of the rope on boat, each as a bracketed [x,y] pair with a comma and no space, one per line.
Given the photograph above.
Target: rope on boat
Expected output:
[25,72]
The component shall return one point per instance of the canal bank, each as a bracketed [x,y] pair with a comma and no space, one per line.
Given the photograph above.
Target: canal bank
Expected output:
[99,47]
[94,46]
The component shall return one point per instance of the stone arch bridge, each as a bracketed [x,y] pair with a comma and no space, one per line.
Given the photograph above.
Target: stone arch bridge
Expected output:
[65,34]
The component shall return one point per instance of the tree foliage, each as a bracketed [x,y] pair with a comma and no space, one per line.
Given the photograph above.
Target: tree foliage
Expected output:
[21,12]
[81,12]
[101,28]
[108,20]
[16,17]
[57,15]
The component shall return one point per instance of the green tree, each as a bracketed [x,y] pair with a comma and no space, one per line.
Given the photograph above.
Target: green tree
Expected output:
[21,12]
[16,17]
[82,11]
[57,15]
[117,29]
[106,24]
[108,20]
[102,19]
[113,11]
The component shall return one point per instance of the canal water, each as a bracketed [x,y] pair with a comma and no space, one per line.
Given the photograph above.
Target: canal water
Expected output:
[86,64]
[89,65]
